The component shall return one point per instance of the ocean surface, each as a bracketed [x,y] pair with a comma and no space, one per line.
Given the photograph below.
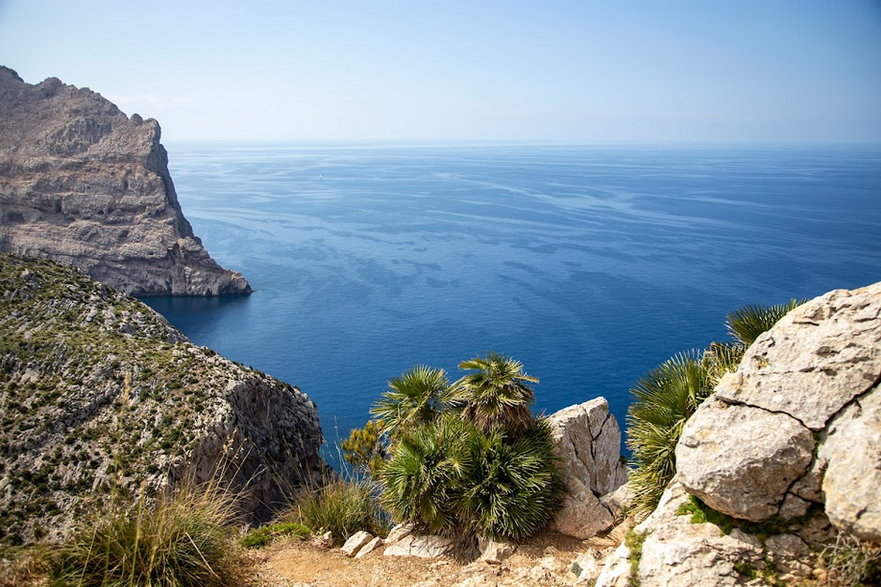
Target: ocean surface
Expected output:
[591,265]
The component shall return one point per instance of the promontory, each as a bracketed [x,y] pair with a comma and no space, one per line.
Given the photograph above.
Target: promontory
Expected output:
[85,185]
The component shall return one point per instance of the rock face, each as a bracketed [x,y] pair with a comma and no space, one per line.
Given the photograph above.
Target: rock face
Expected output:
[84,185]
[99,394]
[788,448]
[808,386]
[588,443]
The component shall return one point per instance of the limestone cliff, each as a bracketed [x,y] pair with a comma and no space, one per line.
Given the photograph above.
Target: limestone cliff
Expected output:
[100,395]
[85,185]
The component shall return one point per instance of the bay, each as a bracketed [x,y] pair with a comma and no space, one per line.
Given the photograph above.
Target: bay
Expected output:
[590,264]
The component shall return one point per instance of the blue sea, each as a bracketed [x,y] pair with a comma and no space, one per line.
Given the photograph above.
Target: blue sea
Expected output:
[591,265]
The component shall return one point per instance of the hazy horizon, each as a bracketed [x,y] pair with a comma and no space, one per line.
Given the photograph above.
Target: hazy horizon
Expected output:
[395,72]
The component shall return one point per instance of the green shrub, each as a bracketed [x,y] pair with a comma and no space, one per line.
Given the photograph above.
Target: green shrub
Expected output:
[664,399]
[425,473]
[363,449]
[263,535]
[513,487]
[182,540]
[342,508]
[467,458]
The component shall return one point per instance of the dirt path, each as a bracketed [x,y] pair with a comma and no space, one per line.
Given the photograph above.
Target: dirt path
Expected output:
[543,561]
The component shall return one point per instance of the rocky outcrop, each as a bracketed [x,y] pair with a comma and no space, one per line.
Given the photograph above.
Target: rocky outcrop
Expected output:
[781,461]
[783,430]
[587,440]
[99,395]
[85,185]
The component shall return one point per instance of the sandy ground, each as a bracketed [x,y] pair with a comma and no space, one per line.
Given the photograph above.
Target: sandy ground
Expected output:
[544,560]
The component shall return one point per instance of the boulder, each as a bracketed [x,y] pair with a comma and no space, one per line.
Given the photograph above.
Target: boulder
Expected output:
[815,360]
[741,460]
[356,542]
[588,443]
[751,450]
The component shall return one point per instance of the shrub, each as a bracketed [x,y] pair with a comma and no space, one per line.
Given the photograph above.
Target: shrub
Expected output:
[426,472]
[182,540]
[664,400]
[513,488]
[363,449]
[342,508]
[851,562]
[263,535]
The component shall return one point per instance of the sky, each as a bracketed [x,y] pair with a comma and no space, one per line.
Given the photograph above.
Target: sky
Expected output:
[546,71]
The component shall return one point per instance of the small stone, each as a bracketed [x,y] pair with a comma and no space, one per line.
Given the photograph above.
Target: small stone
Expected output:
[355,542]
[398,532]
[495,552]
[369,547]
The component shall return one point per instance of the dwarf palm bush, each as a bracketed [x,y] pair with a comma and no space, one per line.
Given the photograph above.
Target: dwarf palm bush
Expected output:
[513,488]
[747,323]
[426,472]
[496,395]
[664,399]
[182,540]
[414,398]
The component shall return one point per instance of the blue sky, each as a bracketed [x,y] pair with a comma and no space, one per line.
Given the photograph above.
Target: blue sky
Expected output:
[498,71]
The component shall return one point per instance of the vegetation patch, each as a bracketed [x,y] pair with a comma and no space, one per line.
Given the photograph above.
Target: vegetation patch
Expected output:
[634,540]
[466,458]
[265,534]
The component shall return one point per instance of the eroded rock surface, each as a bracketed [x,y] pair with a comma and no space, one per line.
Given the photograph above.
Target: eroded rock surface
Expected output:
[85,185]
[99,395]
[806,387]
[588,443]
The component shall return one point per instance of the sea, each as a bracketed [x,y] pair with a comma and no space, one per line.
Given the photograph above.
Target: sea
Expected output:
[589,264]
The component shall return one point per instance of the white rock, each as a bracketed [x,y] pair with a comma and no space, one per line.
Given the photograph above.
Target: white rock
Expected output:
[398,532]
[616,569]
[852,484]
[741,460]
[814,360]
[428,546]
[588,443]
[355,542]
[369,547]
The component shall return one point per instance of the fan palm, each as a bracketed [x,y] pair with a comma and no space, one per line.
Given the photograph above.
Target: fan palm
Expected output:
[496,395]
[514,487]
[425,473]
[414,398]
[663,400]
[748,322]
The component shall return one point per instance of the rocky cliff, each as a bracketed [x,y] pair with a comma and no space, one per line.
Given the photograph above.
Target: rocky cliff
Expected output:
[782,461]
[85,185]
[99,395]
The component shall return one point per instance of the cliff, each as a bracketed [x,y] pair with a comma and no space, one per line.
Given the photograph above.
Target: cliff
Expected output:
[84,185]
[99,395]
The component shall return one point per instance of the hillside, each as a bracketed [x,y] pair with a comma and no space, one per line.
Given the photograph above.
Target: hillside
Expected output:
[100,395]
